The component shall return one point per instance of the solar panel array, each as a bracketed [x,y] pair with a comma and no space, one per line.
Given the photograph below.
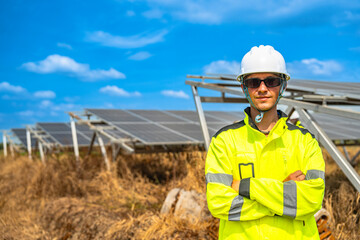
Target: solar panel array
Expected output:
[156,127]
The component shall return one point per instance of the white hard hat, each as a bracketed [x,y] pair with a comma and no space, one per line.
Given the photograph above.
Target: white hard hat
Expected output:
[263,59]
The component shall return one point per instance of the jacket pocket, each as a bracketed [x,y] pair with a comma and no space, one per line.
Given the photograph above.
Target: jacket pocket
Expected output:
[245,164]
[246,170]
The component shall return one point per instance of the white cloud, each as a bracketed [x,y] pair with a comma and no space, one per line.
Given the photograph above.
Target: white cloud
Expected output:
[140,56]
[7,87]
[355,49]
[119,92]
[315,67]
[219,11]
[135,41]
[44,94]
[46,104]
[222,67]
[71,99]
[27,113]
[64,45]
[61,107]
[130,13]
[62,64]
[153,14]
[175,94]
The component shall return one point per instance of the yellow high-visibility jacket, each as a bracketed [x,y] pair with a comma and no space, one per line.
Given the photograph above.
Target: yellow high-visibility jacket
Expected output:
[264,207]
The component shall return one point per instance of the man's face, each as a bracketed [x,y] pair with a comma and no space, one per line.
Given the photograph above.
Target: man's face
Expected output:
[263,97]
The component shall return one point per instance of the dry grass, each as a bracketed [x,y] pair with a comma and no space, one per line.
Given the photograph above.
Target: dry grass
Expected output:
[61,200]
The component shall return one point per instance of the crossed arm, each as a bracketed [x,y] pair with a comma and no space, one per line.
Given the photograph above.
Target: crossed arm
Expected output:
[295,176]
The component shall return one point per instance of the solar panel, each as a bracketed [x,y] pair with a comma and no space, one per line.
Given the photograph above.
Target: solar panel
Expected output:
[324,87]
[189,129]
[338,128]
[188,115]
[152,133]
[115,115]
[228,117]
[54,127]
[61,133]
[156,116]
[20,133]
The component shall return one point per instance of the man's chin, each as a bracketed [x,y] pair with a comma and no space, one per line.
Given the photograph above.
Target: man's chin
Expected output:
[264,108]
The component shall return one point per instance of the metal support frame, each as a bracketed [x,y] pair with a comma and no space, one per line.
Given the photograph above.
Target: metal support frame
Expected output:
[103,152]
[353,159]
[11,146]
[116,151]
[201,114]
[345,166]
[5,144]
[91,143]
[100,131]
[75,140]
[299,106]
[28,142]
[41,150]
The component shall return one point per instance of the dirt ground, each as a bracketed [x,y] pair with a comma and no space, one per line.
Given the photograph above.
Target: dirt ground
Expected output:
[66,200]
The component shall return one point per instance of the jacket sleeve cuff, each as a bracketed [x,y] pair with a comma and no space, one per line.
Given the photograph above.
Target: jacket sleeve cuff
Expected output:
[244,187]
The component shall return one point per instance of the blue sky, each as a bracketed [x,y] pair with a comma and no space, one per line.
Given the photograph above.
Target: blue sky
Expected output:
[59,56]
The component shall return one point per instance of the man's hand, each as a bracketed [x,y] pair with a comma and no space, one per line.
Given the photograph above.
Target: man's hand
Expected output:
[295,176]
[235,185]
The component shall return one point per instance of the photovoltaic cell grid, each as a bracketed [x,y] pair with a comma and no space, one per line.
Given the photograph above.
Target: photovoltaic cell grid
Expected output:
[20,133]
[155,127]
[61,133]
[350,90]
[338,128]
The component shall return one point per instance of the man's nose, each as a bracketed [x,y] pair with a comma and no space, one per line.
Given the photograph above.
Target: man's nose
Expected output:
[262,87]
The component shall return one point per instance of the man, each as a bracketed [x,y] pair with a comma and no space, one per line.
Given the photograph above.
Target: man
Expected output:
[265,177]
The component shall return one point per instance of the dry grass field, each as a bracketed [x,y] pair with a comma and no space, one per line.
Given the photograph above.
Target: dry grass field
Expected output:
[61,200]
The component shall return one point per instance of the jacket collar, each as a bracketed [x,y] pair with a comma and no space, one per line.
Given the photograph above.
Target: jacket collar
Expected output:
[277,130]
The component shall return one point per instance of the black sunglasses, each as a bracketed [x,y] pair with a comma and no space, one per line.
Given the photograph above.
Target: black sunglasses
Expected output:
[269,82]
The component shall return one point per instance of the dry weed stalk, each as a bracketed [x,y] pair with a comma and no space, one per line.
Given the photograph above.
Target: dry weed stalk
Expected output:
[63,201]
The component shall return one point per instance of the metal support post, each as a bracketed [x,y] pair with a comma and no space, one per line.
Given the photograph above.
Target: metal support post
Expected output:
[103,151]
[346,153]
[11,149]
[28,142]
[289,111]
[353,160]
[74,137]
[91,143]
[116,151]
[202,119]
[41,150]
[345,166]
[4,144]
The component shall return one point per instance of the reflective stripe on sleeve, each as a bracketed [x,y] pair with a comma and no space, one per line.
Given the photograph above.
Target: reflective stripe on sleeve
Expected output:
[244,187]
[222,178]
[235,209]
[314,174]
[290,199]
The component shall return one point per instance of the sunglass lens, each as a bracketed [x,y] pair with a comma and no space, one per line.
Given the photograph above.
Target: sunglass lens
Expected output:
[252,82]
[272,81]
